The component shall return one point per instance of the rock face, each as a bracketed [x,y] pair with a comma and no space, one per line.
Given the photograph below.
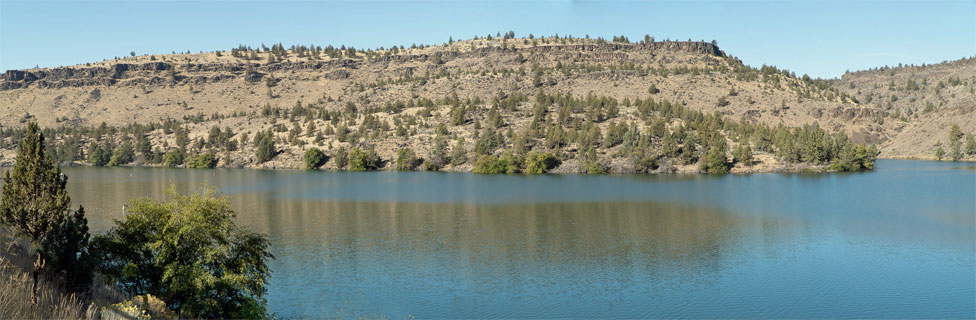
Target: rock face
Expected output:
[119,73]
[888,106]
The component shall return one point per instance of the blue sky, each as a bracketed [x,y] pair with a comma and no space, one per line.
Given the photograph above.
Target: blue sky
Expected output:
[821,38]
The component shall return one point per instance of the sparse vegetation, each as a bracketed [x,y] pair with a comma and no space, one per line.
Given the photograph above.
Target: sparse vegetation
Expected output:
[665,127]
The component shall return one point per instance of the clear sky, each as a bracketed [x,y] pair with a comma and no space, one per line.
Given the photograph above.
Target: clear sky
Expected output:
[820,38]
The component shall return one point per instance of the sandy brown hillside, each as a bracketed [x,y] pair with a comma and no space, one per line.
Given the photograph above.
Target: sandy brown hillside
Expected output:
[917,103]
[406,94]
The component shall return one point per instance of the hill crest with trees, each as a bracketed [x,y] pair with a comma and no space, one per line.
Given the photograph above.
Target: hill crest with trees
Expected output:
[566,104]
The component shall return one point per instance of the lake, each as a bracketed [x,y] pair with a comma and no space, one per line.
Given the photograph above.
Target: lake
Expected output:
[898,242]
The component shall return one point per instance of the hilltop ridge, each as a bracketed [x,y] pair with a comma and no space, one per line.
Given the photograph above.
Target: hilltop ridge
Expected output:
[395,98]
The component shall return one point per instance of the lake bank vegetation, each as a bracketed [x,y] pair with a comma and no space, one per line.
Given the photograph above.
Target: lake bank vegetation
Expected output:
[568,134]
[183,257]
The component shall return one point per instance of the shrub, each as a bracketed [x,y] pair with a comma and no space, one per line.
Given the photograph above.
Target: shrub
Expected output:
[715,162]
[203,161]
[314,158]
[406,160]
[360,160]
[265,147]
[97,155]
[188,252]
[122,155]
[538,163]
[489,164]
[743,154]
[173,158]
[342,158]
[645,163]
[593,167]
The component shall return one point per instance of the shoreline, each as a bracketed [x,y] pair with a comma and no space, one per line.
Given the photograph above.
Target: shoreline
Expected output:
[795,168]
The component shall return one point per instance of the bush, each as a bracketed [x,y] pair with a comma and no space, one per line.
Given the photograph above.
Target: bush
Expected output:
[538,163]
[489,164]
[342,158]
[122,155]
[173,158]
[360,160]
[645,163]
[715,162]
[743,154]
[265,148]
[204,161]
[188,252]
[855,158]
[407,160]
[98,156]
[593,167]
[314,158]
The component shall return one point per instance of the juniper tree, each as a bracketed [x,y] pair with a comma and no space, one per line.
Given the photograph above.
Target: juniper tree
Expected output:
[314,158]
[955,143]
[265,146]
[970,145]
[35,203]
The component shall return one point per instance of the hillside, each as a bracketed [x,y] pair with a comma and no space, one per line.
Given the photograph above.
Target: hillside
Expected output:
[916,105]
[620,105]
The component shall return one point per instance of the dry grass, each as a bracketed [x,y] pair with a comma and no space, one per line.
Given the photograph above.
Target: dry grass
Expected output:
[53,302]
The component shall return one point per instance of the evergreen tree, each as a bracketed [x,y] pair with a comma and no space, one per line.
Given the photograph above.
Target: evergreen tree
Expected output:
[955,143]
[458,155]
[265,147]
[342,158]
[35,203]
[970,145]
[406,160]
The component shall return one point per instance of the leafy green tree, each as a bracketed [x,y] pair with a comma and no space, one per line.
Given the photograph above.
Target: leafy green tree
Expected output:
[35,203]
[188,252]
[314,158]
[203,161]
[939,153]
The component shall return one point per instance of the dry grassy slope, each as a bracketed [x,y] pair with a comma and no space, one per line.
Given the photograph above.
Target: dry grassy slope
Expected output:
[915,136]
[141,89]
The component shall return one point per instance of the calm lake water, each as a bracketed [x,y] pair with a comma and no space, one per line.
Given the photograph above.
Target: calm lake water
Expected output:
[899,242]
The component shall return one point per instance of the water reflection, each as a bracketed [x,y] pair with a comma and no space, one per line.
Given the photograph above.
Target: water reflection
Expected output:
[468,259]
[896,242]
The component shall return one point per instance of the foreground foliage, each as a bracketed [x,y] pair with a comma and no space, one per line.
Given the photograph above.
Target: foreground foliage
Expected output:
[35,203]
[188,252]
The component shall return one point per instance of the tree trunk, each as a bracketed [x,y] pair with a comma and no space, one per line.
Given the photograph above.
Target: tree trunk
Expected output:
[38,266]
